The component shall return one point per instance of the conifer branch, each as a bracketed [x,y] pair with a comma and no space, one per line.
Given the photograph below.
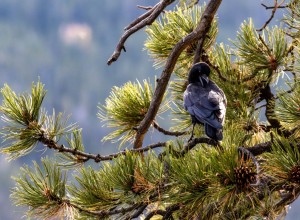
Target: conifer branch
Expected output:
[170,133]
[141,22]
[84,157]
[200,31]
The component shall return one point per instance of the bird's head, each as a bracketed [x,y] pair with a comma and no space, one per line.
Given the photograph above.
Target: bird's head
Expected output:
[199,73]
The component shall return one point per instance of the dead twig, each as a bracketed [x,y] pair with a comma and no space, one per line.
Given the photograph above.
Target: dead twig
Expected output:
[145,7]
[274,8]
[146,19]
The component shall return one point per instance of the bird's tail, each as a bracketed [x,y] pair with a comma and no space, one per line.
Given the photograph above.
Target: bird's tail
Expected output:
[213,133]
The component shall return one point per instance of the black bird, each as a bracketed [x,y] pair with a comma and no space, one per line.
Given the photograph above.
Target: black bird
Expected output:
[205,101]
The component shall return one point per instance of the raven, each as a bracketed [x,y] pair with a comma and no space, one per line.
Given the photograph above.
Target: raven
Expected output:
[205,101]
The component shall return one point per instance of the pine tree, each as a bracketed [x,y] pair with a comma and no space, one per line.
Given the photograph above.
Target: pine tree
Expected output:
[253,173]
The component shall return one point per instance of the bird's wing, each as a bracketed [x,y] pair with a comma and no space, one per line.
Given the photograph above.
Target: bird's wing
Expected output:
[202,104]
[218,96]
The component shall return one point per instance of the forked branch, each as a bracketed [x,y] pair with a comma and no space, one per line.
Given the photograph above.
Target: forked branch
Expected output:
[199,32]
[146,19]
[274,8]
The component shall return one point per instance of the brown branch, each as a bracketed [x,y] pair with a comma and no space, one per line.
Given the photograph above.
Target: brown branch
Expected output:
[84,157]
[216,68]
[153,213]
[162,82]
[274,8]
[190,145]
[167,214]
[104,213]
[288,199]
[146,19]
[171,133]
[260,148]
[266,93]
[199,50]
[145,7]
[138,212]
[140,18]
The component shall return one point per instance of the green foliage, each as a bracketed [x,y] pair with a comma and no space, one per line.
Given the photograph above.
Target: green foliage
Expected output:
[92,191]
[190,175]
[56,125]
[292,18]
[42,190]
[23,115]
[288,108]
[129,179]
[22,109]
[125,108]
[206,181]
[264,51]
[27,122]
[74,143]
[171,28]
[284,157]
[133,175]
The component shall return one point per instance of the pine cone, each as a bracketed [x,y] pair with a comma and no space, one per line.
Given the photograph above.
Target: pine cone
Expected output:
[244,176]
[294,175]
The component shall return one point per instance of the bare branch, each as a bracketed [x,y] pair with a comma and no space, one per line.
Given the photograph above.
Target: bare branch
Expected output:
[140,18]
[171,133]
[200,31]
[199,50]
[190,145]
[146,19]
[84,157]
[274,8]
[145,7]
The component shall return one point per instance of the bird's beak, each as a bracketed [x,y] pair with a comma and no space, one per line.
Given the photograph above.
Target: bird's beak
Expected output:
[204,80]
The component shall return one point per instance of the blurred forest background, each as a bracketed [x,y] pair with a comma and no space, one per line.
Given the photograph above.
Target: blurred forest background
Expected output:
[66,44]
